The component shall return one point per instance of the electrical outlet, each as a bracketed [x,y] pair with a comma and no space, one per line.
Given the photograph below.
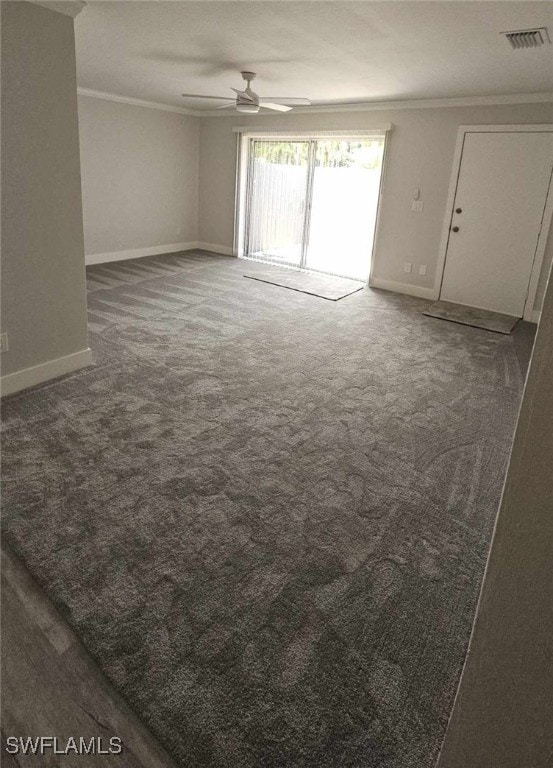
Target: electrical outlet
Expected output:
[4,342]
[407,266]
[179,230]
[422,269]
[417,205]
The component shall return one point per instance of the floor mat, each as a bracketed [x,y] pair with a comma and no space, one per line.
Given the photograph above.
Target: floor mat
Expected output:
[324,286]
[477,318]
[267,517]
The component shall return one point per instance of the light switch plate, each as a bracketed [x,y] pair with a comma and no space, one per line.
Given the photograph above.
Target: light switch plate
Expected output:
[417,205]
[407,266]
[4,342]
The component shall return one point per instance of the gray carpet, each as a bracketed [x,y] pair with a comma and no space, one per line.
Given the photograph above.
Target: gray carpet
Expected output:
[323,286]
[266,516]
[477,318]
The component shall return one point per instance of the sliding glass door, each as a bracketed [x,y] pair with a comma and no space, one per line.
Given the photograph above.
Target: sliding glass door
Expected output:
[277,200]
[344,203]
[313,203]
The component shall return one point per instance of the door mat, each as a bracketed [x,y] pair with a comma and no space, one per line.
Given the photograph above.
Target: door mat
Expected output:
[324,286]
[478,318]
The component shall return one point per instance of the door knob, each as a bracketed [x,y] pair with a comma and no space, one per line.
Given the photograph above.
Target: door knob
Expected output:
[458,210]
[454,229]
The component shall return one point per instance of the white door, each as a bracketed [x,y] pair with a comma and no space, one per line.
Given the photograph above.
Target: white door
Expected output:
[495,224]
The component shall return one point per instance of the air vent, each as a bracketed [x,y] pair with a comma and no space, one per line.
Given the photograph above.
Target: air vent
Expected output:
[527,38]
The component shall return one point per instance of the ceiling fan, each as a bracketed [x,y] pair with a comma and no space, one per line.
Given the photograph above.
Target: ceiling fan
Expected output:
[250,103]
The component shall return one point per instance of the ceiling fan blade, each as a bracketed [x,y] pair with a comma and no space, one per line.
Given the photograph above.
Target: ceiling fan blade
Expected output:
[297,101]
[227,106]
[199,96]
[243,94]
[276,107]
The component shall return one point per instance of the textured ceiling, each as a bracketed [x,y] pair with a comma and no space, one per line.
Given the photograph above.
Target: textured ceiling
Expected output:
[326,51]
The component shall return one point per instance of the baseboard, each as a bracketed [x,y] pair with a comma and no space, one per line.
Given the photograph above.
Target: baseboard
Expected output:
[38,374]
[410,290]
[137,253]
[224,250]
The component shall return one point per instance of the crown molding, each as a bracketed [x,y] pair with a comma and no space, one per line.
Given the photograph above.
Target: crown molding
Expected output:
[135,102]
[358,106]
[369,106]
[67,7]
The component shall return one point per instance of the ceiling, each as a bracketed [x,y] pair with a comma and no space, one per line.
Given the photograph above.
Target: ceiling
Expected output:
[329,52]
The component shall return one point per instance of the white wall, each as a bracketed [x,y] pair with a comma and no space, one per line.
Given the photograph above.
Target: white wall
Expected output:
[43,275]
[545,270]
[503,714]
[420,155]
[140,177]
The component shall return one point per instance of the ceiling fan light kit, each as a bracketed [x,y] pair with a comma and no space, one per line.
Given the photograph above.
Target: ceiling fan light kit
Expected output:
[248,102]
[248,109]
